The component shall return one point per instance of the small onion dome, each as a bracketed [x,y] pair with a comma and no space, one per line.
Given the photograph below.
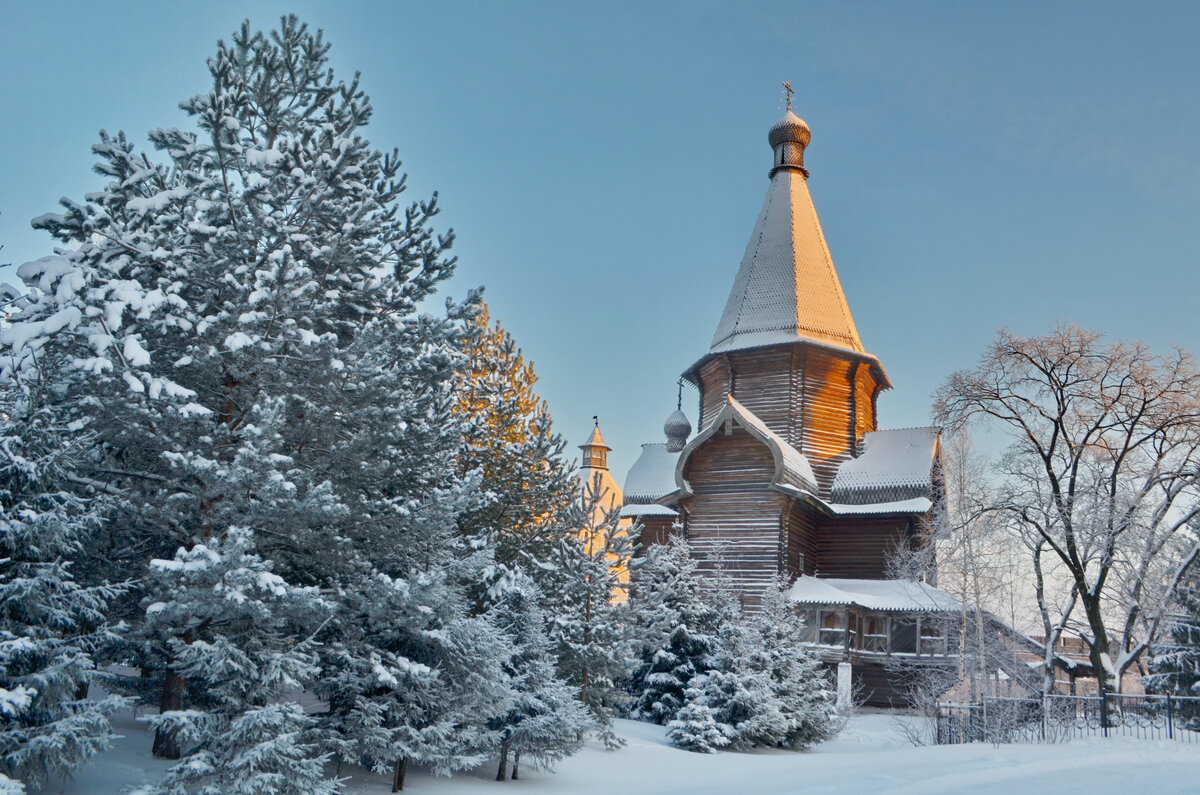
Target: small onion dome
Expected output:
[788,137]
[677,428]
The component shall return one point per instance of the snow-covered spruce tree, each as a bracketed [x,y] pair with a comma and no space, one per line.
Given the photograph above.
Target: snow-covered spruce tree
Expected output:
[531,508]
[232,625]
[695,727]
[241,331]
[795,679]
[676,629]
[734,694]
[585,588]
[50,625]
[545,721]
[1175,657]
[409,671]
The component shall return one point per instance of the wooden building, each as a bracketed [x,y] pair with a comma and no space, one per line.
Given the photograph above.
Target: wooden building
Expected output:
[788,464]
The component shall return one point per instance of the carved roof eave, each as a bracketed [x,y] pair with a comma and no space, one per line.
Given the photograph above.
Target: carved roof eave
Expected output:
[788,460]
[692,373]
[919,507]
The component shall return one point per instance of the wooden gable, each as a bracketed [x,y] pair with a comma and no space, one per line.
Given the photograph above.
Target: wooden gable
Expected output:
[732,501]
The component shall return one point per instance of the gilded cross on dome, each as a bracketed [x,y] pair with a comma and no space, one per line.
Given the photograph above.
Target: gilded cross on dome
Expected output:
[787,87]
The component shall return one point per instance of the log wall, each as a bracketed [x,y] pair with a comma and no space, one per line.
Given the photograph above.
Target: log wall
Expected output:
[801,554]
[878,687]
[828,419]
[860,548]
[731,502]
[655,530]
[819,401]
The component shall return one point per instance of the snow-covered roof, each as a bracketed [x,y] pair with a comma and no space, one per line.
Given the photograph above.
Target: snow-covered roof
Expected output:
[881,595]
[792,469]
[596,440]
[652,475]
[919,505]
[893,466]
[647,509]
[786,287]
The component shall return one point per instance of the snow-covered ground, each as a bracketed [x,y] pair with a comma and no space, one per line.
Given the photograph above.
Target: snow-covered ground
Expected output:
[871,756]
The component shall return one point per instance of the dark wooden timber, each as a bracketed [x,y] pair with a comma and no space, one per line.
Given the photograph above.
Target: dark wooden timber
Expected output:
[820,400]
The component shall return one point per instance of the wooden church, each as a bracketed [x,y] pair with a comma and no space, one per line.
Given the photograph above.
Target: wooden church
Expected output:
[789,465]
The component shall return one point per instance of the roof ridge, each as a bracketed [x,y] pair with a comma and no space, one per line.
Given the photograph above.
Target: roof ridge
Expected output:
[936,428]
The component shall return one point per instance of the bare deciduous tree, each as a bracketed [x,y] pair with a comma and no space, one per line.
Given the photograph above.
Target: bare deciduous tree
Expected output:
[1100,479]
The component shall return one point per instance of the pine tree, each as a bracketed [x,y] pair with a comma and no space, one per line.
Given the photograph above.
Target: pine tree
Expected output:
[237,326]
[589,627]
[1175,658]
[410,672]
[532,492]
[534,521]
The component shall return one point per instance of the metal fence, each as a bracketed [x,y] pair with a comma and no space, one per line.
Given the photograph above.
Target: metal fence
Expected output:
[1059,718]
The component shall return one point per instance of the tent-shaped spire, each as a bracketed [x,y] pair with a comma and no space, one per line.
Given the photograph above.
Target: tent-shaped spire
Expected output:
[786,288]
[595,451]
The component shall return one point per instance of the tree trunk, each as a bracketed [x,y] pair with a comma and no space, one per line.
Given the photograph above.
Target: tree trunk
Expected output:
[1098,655]
[399,773]
[81,690]
[502,772]
[174,686]
[516,764]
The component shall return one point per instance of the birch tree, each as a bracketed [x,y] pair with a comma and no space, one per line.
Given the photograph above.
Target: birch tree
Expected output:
[1100,478]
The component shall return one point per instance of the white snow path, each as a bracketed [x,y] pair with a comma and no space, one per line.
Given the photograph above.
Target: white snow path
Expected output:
[870,756]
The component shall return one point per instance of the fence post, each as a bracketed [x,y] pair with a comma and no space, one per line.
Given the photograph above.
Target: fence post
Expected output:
[1170,720]
[1104,710]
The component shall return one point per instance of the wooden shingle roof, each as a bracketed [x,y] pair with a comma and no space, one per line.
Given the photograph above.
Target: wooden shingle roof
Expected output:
[786,288]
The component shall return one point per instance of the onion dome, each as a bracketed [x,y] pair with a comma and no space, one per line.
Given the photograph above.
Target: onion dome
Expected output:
[677,428]
[788,137]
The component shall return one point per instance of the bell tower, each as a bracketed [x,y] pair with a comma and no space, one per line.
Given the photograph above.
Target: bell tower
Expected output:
[786,347]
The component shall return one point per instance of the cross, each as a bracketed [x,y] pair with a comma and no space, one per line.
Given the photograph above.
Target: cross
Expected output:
[787,87]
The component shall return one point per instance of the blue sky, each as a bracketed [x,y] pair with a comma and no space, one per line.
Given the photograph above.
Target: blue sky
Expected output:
[974,164]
